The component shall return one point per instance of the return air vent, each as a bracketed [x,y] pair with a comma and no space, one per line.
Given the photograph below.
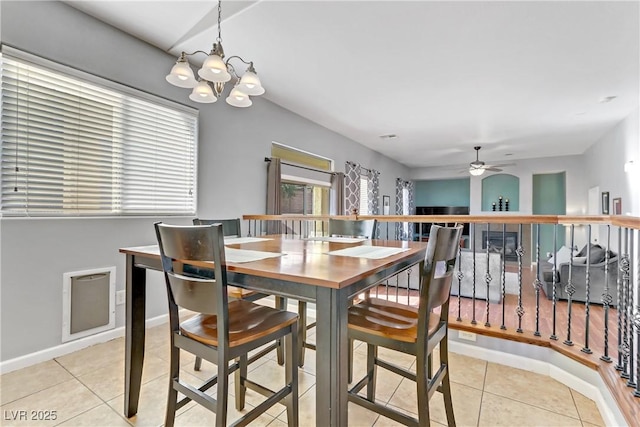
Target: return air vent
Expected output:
[88,304]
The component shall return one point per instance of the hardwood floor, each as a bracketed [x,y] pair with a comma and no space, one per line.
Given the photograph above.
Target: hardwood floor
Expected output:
[588,341]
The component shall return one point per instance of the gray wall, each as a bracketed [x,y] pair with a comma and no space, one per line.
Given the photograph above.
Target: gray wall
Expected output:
[34,253]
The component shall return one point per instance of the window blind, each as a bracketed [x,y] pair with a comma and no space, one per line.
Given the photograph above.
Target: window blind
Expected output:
[71,146]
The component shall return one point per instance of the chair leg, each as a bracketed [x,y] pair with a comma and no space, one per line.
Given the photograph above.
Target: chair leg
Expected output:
[222,390]
[281,304]
[350,361]
[197,364]
[372,355]
[239,376]
[302,331]
[172,397]
[291,377]
[422,387]
[446,385]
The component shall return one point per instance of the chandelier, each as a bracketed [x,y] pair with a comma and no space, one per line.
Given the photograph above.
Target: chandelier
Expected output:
[215,72]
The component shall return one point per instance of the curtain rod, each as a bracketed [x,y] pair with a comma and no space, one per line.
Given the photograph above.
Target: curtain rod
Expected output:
[362,167]
[268,159]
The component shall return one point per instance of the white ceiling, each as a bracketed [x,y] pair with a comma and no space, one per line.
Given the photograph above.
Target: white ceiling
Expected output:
[520,78]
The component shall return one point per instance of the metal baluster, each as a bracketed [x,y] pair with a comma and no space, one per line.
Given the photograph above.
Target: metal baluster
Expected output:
[606,299]
[624,269]
[408,286]
[537,284]
[460,276]
[473,282]
[620,305]
[503,265]
[630,305]
[487,276]
[636,322]
[520,253]
[570,289]
[587,304]
[554,283]
[397,286]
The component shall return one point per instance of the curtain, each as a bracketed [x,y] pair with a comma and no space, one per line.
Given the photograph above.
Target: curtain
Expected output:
[404,198]
[373,190]
[351,187]
[273,194]
[336,204]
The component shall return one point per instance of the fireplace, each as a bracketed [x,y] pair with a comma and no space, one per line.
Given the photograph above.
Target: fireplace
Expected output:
[495,243]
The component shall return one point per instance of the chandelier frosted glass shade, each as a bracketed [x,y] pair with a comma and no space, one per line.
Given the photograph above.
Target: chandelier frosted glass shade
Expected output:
[238,98]
[181,75]
[214,69]
[476,171]
[203,93]
[250,84]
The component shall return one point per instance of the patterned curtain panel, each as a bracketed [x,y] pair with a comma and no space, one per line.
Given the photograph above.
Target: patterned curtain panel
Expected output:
[351,187]
[373,196]
[336,204]
[404,189]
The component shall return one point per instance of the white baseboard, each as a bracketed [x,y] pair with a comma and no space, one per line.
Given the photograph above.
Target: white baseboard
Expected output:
[71,346]
[546,361]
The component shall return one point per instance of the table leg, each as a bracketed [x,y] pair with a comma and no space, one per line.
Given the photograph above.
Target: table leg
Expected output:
[134,335]
[331,368]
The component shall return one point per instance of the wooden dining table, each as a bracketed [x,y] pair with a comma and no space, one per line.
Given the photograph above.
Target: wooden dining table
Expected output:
[306,270]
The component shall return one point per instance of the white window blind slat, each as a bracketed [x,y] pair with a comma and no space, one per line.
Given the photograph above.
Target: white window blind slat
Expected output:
[72,146]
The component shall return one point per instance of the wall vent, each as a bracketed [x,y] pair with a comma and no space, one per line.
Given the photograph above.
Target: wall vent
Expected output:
[88,302]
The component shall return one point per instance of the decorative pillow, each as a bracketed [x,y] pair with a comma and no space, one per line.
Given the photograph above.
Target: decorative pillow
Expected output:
[579,259]
[562,256]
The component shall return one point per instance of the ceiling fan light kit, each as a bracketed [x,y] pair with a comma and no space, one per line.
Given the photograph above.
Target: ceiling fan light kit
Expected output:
[214,73]
[478,167]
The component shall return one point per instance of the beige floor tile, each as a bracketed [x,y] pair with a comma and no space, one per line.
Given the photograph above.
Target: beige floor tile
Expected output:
[67,400]
[397,358]
[94,357]
[102,415]
[587,409]
[153,401]
[108,382]
[387,422]
[307,409]
[197,416]
[386,383]
[361,417]
[466,403]
[24,382]
[467,370]
[501,411]
[528,387]
[586,424]
[277,423]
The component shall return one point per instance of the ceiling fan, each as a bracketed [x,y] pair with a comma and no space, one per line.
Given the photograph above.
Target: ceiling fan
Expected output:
[478,167]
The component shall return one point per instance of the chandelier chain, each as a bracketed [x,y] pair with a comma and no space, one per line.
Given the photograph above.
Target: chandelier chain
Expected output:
[219,39]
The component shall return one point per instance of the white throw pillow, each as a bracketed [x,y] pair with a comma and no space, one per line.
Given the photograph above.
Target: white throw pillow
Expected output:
[563,255]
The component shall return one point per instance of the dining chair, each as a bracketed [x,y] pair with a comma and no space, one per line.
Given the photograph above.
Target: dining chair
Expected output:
[230,228]
[364,228]
[223,331]
[410,330]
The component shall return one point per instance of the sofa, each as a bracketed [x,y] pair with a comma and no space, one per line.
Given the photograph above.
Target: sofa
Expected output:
[597,257]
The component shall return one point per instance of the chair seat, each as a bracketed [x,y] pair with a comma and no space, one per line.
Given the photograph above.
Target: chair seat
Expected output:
[388,319]
[247,322]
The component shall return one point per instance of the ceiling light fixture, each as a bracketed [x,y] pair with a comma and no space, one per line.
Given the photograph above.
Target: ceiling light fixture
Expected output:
[215,72]
[476,171]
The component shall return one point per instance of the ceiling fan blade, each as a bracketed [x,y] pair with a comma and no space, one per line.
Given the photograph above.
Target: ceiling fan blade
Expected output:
[501,165]
[492,169]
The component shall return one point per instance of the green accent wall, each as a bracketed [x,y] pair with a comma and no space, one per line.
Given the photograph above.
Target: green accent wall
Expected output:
[505,185]
[549,195]
[443,192]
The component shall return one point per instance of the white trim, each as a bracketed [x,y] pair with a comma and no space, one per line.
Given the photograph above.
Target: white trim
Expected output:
[546,361]
[66,348]
[300,180]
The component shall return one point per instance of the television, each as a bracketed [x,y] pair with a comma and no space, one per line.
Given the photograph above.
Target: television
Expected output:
[439,210]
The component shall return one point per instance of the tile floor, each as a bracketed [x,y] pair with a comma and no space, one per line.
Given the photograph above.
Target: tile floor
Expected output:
[85,388]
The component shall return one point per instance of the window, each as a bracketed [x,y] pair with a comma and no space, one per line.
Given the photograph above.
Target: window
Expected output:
[364,195]
[77,145]
[305,184]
